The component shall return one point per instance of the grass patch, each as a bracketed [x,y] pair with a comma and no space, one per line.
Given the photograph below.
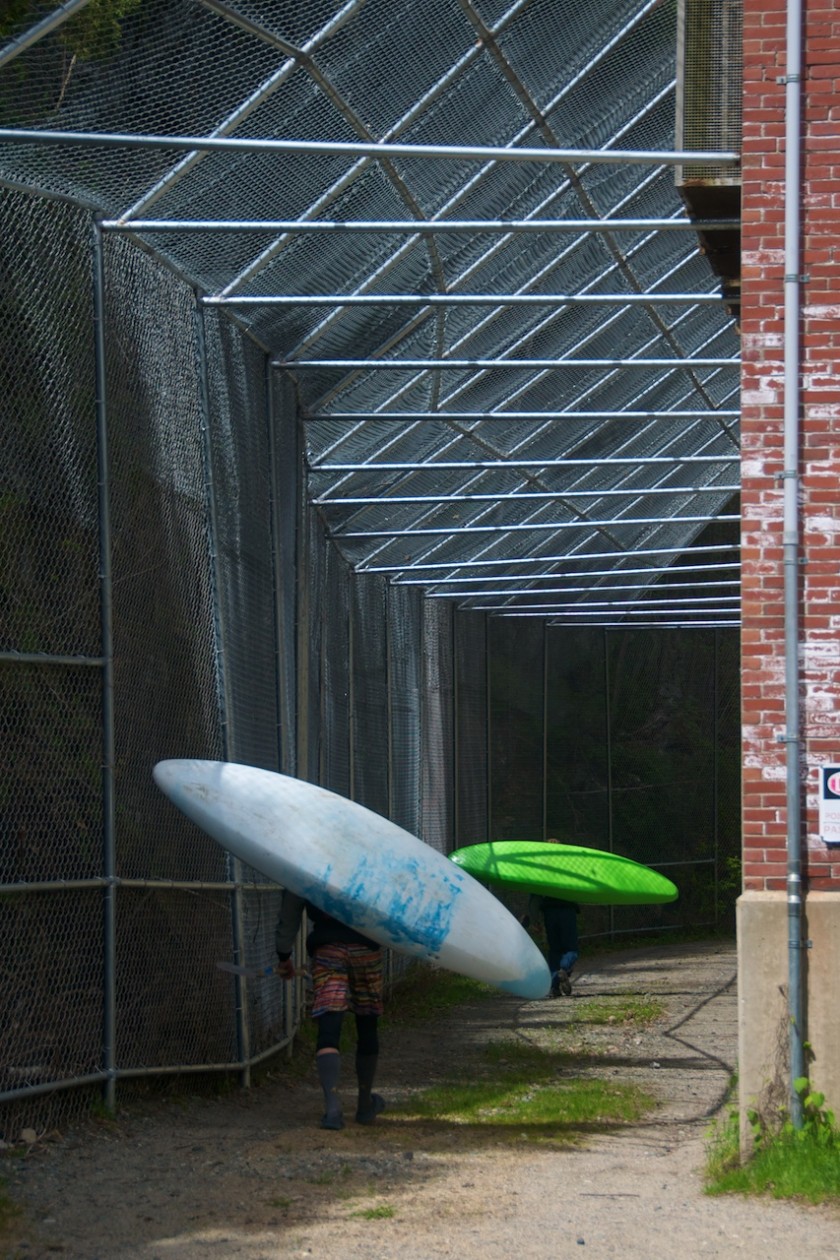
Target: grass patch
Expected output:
[515,1087]
[572,1105]
[639,1011]
[383,1212]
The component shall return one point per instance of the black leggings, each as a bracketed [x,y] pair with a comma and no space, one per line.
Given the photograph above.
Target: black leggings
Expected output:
[329,1032]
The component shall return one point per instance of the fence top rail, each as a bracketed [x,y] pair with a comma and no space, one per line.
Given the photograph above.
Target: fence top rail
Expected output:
[355,149]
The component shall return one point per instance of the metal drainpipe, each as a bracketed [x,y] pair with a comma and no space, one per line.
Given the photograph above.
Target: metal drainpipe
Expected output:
[790,481]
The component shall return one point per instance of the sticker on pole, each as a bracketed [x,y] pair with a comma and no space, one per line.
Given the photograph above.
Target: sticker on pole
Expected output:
[830,804]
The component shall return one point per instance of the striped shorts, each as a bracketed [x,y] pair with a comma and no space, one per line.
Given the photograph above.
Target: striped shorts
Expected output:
[347,977]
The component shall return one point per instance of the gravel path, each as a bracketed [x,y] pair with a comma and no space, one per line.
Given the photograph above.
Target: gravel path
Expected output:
[251,1176]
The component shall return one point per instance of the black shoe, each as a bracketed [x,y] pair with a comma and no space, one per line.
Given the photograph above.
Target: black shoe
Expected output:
[332,1120]
[367,1115]
[555,986]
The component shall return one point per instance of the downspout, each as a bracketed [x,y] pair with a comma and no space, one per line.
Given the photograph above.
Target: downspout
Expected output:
[790,481]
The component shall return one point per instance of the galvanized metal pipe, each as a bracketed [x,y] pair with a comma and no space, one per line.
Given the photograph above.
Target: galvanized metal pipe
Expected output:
[465,299]
[552,575]
[106,606]
[588,614]
[419,227]
[458,365]
[728,624]
[608,753]
[53,1087]
[531,526]
[233,863]
[457,416]
[168,885]
[140,1073]
[508,561]
[595,588]
[544,718]
[514,463]
[48,658]
[791,547]
[355,148]
[569,492]
[587,608]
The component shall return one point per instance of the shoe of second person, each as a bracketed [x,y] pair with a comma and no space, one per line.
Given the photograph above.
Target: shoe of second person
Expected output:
[367,1115]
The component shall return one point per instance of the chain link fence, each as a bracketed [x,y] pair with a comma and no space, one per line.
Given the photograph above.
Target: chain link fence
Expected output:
[167,591]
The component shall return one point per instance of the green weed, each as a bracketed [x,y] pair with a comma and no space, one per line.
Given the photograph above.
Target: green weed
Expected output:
[786,1162]
[383,1212]
[640,1011]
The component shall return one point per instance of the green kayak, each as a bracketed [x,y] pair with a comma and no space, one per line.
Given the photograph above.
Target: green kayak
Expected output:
[589,876]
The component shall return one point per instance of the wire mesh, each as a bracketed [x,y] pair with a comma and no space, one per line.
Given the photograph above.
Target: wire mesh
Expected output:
[49,542]
[243,624]
[408,752]
[51,1031]
[336,697]
[371,775]
[472,763]
[438,728]
[541,76]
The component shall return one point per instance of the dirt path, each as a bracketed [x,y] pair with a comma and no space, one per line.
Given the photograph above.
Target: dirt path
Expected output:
[251,1176]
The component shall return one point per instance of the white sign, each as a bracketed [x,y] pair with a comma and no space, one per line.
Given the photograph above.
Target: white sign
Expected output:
[830,804]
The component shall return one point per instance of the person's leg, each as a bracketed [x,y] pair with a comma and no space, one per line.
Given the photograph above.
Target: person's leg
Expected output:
[366,986]
[553,924]
[330,996]
[554,946]
[561,936]
[328,1066]
[368,1105]
[561,981]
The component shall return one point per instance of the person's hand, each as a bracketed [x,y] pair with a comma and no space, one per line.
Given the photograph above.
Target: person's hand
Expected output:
[286,969]
[525,920]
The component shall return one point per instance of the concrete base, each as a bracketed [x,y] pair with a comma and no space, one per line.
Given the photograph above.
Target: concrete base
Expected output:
[763,1021]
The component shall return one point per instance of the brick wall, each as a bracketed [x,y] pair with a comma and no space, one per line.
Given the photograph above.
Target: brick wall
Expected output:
[762,323]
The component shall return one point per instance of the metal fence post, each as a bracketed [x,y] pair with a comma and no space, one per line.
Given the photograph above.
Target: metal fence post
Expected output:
[716,770]
[608,749]
[488,739]
[107,635]
[545,731]
[234,866]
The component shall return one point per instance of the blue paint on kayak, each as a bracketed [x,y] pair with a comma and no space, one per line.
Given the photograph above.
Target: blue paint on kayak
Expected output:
[375,894]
